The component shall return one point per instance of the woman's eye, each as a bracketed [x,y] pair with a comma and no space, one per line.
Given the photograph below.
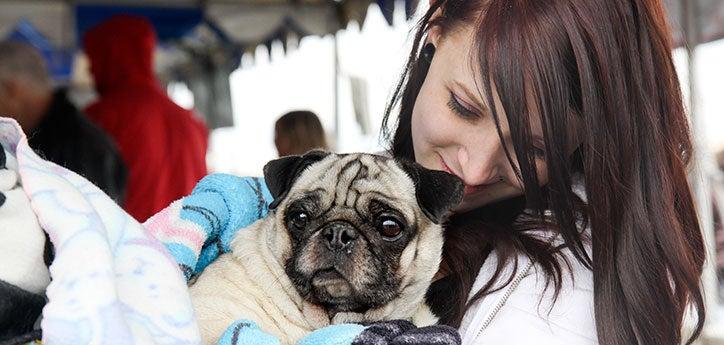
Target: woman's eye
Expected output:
[456,106]
[538,152]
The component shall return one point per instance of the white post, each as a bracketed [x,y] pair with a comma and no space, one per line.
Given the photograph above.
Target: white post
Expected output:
[700,178]
[336,92]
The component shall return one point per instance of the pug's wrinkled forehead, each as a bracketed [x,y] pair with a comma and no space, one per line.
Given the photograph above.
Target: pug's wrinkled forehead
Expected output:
[351,180]
[356,180]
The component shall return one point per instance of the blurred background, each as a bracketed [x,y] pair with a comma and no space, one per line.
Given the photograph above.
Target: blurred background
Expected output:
[241,64]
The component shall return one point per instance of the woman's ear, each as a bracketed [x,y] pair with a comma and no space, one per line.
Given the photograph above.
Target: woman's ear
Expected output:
[433,35]
[434,32]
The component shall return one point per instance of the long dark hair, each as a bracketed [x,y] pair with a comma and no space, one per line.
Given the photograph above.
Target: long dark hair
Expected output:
[607,65]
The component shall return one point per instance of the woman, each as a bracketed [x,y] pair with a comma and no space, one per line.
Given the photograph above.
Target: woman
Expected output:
[565,121]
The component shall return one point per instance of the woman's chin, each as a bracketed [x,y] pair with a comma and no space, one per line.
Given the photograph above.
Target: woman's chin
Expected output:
[468,205]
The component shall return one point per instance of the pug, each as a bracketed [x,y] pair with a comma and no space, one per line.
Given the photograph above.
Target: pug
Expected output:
[349,239]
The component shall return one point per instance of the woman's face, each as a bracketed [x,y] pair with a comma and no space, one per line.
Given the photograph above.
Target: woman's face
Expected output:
[453,130]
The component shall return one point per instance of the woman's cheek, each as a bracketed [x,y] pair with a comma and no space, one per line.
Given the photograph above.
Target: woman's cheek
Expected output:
[423,142]
[419,125]
[427,120]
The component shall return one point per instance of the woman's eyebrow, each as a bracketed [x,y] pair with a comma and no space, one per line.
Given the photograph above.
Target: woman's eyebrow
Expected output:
[472,96]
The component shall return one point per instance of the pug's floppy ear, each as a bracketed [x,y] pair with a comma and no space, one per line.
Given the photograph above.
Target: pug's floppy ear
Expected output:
[281,173]
[437,191]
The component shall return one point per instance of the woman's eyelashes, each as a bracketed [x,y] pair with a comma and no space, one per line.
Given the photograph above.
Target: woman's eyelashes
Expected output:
[471,114]
[461,109]
[538,152]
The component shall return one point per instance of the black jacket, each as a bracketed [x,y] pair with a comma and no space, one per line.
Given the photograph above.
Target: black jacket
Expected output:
[66,137]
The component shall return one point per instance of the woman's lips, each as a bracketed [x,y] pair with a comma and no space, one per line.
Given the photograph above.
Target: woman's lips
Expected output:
[468,189]
[447,168]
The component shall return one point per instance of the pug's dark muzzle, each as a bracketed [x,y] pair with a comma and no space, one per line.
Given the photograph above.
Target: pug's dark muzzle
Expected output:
[337,268]
[339,237]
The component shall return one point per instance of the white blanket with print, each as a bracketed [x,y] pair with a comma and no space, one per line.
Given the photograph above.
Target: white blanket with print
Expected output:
[110,282]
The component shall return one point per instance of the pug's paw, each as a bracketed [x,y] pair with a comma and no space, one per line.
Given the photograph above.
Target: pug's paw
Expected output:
[347,317]
[424,316]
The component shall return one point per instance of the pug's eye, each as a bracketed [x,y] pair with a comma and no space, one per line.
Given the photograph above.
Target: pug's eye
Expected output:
[299,219]
[390,229]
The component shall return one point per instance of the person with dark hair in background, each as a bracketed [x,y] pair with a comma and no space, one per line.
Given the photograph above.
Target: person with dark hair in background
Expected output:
[163,144]
[297,132]
[56,129]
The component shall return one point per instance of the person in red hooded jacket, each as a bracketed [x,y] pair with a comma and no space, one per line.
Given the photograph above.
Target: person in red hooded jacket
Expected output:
[163,145]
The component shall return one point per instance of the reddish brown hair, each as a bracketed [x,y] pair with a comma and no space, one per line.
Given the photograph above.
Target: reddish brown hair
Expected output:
[608,63]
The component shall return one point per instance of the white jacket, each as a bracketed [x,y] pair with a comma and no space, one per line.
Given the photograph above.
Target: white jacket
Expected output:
[522,319]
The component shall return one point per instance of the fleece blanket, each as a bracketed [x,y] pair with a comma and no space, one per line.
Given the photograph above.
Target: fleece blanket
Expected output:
[116,281]
[111,282]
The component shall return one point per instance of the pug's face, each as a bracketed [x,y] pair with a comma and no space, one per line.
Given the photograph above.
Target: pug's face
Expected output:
[362,229]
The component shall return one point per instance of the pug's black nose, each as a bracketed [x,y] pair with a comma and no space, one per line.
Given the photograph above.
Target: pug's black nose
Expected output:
[339,235]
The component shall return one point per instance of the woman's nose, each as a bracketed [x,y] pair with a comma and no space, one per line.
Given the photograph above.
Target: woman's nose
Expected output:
[480,166]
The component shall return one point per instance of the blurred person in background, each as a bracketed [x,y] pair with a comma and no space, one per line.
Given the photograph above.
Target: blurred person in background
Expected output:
[56,129]
[163,145]
[297,132]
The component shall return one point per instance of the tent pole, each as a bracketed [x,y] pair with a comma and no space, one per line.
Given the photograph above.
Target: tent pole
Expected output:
[335,51]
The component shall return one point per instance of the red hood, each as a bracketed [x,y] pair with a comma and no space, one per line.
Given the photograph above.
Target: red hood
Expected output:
[120,51]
